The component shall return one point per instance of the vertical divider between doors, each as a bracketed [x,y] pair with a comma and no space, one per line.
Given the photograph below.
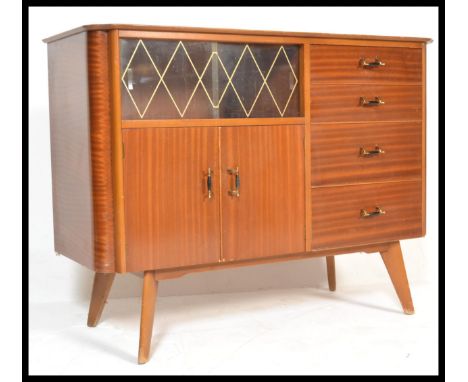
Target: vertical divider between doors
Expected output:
[305,80]
[220,170]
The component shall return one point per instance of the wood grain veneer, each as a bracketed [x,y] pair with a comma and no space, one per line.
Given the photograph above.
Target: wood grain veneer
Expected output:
[101,151]
[71,149]
[169,219]
[307,151]
[164,274]
[423,130]
[81,150]
[203,122]
[341,103]
[341,64]
[365,42]
[335,150]
[337,221]
[215,35]
[268,217]
[241,32]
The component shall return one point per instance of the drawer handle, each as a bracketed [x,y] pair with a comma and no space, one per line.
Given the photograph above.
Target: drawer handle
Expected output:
[209,183]
[369,153]
[369,65]
[235,171]
[377,212]
[375,102]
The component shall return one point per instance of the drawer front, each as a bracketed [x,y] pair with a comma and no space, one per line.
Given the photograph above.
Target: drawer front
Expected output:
[346,64]
[337,221]
[342,103]
[351,153]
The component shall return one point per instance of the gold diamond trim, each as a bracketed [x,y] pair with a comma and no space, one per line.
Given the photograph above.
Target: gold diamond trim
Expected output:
[200,82]
[140,42]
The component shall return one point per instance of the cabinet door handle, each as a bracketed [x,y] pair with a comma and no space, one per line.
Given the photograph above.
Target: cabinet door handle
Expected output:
[369,65]
[368,153]
[235,171]
[377,212]
[209,183]
[375,102]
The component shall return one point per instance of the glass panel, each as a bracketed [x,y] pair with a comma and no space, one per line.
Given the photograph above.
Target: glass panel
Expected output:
[194,79]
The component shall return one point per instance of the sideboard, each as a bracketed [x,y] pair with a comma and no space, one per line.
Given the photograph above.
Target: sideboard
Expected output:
[178,150]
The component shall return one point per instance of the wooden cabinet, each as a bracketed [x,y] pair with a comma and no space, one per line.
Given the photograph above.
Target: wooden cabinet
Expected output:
[177,150]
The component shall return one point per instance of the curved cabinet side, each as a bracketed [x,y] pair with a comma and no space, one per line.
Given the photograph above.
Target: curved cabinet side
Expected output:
[100,139]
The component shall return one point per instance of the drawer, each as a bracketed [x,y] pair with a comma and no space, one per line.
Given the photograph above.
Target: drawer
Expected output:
[342,103]
[339,156]
[345,64]
[337,221]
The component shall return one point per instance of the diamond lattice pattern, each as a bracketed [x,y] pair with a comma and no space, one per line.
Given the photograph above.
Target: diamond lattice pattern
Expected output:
[182,78]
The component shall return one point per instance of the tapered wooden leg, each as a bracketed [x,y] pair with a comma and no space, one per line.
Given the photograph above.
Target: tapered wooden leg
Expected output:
[101,288]
[331,273]
[393,260]
[148,303]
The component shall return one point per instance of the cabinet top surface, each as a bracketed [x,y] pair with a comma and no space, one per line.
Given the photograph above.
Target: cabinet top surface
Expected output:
[94,27]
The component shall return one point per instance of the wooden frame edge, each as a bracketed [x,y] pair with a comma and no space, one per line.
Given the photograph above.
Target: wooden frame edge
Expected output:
[165,274]
[108,27]
[145,123]
[211,36]
[424,139]
[363,42]
[117,151]
[307,148]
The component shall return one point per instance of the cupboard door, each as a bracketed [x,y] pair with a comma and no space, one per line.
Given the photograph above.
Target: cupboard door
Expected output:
[267,216]
[169,219]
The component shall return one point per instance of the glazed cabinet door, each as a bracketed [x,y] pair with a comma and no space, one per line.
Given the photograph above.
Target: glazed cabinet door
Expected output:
[170,79]
[262,191]
[171,217]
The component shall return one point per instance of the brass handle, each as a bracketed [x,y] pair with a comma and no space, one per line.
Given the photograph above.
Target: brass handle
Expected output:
[369,65]
[377,212]
[235,171]
[368,153]
[375,102]
[209,183]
